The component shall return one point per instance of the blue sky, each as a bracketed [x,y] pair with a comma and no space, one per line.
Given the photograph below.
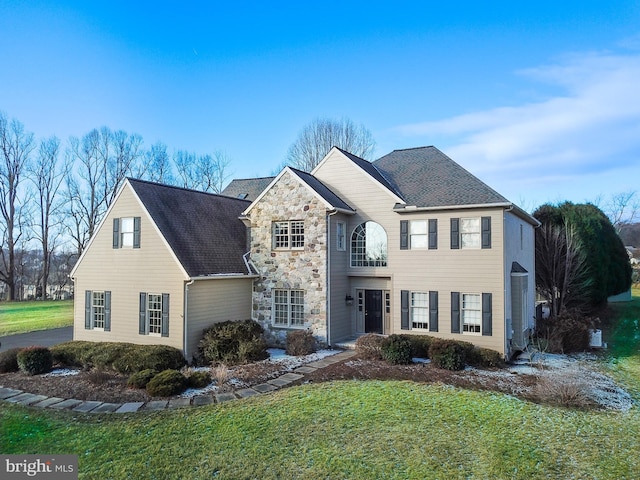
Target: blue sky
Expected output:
[539,99]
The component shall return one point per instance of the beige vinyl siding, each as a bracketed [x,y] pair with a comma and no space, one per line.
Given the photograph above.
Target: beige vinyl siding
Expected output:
[447,270]
[341,324]
[213,301]
[126,272]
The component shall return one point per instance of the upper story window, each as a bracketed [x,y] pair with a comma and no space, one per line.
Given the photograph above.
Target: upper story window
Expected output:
[288,235]
[369,246]
[126,232]
[341,236]
[418,234]
[471,233]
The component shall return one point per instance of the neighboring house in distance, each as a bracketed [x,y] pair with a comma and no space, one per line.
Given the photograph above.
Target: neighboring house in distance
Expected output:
[411,243]
[164,264]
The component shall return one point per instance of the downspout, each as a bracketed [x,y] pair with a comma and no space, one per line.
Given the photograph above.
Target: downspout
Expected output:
[328,270]
[185,316]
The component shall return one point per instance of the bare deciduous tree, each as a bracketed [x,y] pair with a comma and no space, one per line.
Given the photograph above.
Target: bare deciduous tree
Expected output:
[16,146]
[623,209]
[158,165]
[316,139]
[47,176]
[207,173]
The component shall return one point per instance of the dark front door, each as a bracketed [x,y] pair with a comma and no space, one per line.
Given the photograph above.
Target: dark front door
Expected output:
[373,311]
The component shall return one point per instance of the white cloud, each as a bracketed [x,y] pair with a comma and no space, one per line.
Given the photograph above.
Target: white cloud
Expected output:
[594,126]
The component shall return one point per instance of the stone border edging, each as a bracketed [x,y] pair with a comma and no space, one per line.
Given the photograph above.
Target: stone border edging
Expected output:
[19,397]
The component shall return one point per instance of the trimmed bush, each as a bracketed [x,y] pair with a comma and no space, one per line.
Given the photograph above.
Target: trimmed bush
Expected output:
[396,350]
[141,379]
[35,360]
[300,342]
[125,358]
[420,345]
[449,354]
[199,379]
[369,346]
[485,358]
[154,357]
[9,360]
[167,383]
[233,343]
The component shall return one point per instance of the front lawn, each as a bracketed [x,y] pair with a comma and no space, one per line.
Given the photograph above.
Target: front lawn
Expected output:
[22,317]
[349,429]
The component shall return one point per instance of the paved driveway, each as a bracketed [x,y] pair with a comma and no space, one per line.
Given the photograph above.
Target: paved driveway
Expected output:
[44,338]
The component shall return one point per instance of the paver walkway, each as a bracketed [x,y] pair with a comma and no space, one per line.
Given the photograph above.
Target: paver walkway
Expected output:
[90,406]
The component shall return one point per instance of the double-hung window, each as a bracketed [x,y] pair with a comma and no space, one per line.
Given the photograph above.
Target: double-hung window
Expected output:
[154,314]
[97,310]
[288,235]
[419,310]
[418,235]
[126,232]
[471,233]
[471,313]
[288,308]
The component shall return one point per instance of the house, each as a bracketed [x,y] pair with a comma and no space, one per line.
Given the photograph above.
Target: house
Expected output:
[164,264]
[411,243]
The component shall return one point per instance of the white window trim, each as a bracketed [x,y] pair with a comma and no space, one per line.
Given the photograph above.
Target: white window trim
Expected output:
[93,310]
[462,310]
[289,235]
[341,239]
[411,310]
[478,234]
[288,325]
[425,235]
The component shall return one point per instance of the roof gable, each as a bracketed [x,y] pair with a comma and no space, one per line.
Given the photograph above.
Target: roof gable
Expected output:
[426,177]
[202,229]
[247,188]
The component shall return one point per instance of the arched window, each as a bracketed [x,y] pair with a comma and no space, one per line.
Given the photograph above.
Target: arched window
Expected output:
[369,246]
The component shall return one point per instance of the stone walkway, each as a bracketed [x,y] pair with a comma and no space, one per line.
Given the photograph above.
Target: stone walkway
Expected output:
[90,406]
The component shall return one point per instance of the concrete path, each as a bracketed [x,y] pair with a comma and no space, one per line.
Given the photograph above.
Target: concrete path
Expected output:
[43,338]
[40,401]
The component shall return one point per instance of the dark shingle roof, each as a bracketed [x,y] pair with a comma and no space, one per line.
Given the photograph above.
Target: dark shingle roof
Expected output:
[247,188]
[426,177]
[202,229]
[322,190]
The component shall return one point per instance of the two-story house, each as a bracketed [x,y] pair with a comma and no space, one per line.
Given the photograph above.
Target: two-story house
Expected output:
[411,243]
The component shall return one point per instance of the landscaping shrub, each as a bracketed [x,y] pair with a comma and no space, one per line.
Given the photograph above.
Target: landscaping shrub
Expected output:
[9,360]
[167,383]
[154,357]
[72,354]
[199,379]
[420,345]
[300,342]
[141,379]
[485,358]
[233,342]
[396,350]
[562,390]
[448,354]
[369,346]
[569,332]
[35,360]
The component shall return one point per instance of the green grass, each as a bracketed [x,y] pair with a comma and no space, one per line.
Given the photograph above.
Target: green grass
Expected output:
[22,317]
[340,430]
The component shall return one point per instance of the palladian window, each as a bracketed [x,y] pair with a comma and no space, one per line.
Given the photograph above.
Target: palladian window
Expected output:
[369,246]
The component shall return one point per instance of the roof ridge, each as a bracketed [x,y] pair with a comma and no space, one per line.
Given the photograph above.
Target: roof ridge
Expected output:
[184,189]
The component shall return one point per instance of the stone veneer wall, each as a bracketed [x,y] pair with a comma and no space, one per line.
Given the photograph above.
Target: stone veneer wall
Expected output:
[304,269]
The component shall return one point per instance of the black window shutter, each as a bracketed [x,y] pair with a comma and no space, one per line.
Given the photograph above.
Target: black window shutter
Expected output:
[433,234]
[142,317]
[433,311]
[486,314]
[404,309]
[455,312]
[404,234]
[87,310]
[107,311]
[136,232]
[116,233]
[455,233]
[165,314]
[486,232]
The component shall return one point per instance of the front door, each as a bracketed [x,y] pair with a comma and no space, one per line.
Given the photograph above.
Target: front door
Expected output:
[373,311]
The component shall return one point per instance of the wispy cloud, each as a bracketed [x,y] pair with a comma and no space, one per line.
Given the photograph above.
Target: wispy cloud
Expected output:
[592,126]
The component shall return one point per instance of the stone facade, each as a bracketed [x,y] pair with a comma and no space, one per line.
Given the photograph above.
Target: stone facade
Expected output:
[303,269]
